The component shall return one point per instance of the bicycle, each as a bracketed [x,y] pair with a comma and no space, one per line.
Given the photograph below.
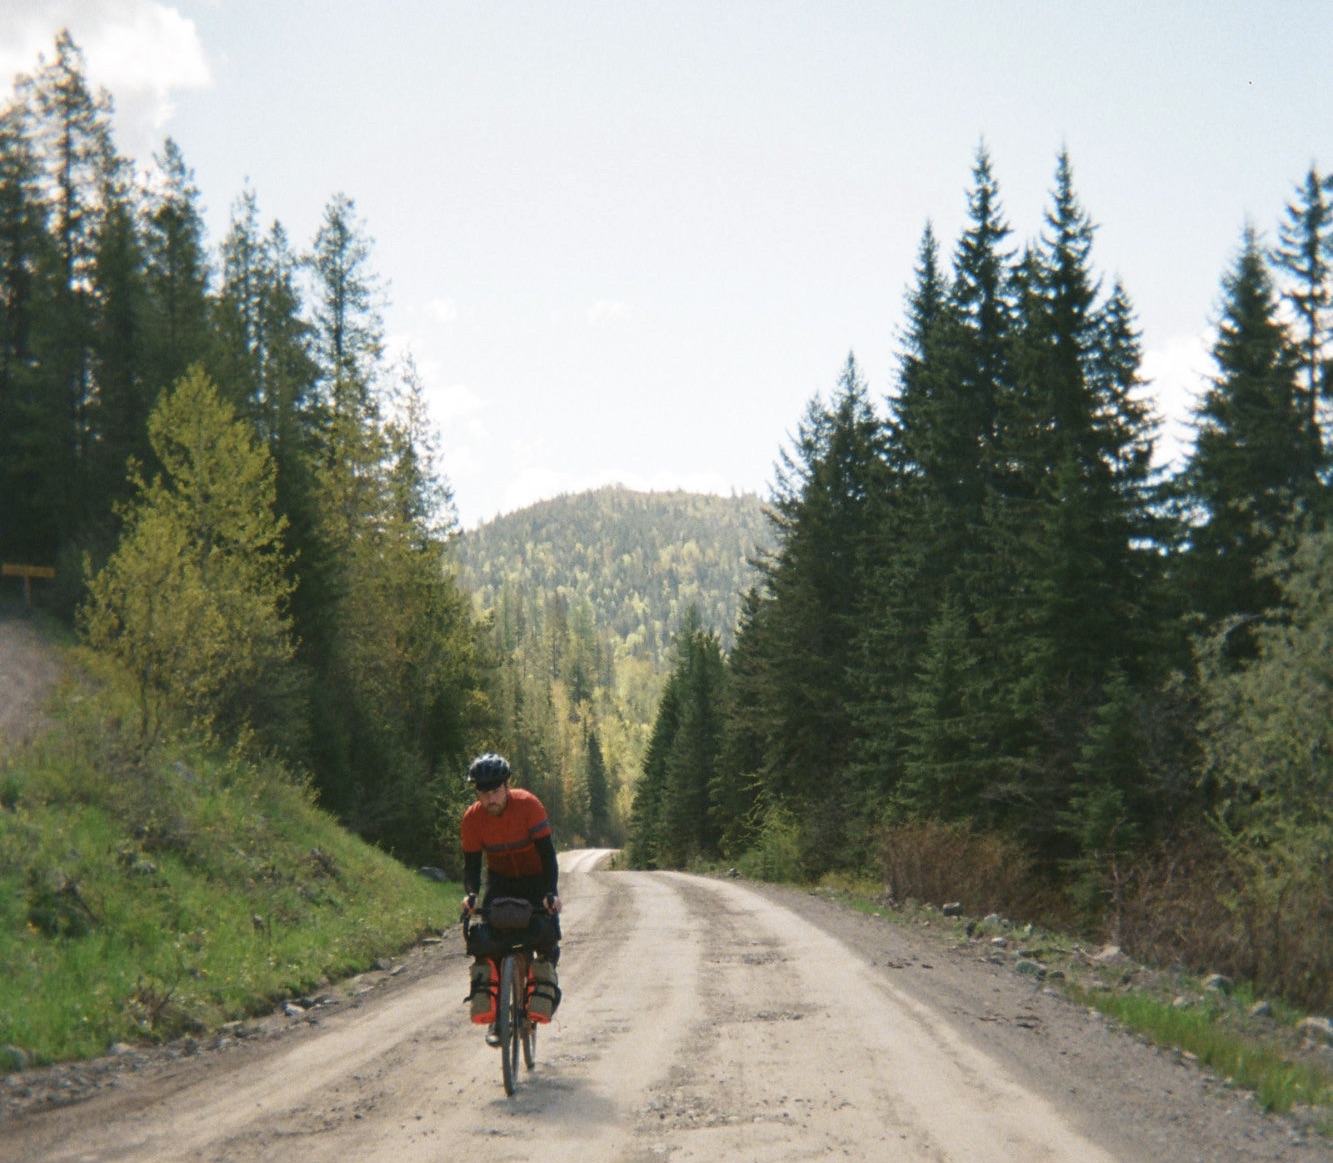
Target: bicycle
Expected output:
[515,1031]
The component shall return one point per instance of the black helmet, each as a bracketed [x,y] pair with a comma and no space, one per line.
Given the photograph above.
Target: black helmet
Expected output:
[488,771]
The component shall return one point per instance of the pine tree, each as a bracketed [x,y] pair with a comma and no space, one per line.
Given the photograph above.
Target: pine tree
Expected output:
[25,308]
[688,828]
[124,395]
[71,135]
[598,782]
[672,820]
[176,272]
[348,332]
[935,557]
[810,628]
[1304,253]
[1255,457]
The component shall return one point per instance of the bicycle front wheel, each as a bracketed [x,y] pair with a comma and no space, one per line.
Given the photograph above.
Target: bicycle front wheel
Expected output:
[509,1019]
[529,1040]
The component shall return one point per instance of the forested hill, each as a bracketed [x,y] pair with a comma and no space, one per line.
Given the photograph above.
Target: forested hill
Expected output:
[639,559]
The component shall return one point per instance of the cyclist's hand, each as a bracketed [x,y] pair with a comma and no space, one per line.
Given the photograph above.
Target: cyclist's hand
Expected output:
[552,903]
[470,904]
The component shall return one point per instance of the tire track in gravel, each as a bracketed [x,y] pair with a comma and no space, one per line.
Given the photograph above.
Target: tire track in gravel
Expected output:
[806,1051]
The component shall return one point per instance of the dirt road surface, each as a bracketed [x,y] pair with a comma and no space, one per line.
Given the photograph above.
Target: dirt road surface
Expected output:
[28,673]
[704,1019]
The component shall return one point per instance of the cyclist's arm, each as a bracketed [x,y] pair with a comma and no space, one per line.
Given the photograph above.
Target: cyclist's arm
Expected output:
[472,873]
[550,868]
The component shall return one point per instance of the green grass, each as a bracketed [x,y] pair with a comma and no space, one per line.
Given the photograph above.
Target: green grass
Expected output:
[1278,1083]
[143,898]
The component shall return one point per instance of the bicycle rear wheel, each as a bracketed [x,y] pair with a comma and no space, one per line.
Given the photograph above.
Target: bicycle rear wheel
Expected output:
[509,1019]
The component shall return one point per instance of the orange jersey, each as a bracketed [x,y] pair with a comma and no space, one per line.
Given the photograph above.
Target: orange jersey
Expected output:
[507,839]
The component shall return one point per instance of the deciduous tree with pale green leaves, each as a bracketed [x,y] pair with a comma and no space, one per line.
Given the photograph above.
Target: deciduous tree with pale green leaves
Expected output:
[193,601]
[1268,731]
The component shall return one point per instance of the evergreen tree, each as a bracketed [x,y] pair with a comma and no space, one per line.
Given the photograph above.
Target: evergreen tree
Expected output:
[176,272]
[597,779]
[935,556]
[673,821]
[814,590]
[1255,456]
[348,332]
[643,845]
[71,135]
[1071,520]
[124,396]
[688,829]
[738,787]
[1304,253]
[25,309]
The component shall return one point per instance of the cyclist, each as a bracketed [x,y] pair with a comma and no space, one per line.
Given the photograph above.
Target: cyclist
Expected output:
[509,828]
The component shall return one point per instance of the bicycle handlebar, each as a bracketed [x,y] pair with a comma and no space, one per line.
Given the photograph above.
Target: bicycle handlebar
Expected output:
[470,907]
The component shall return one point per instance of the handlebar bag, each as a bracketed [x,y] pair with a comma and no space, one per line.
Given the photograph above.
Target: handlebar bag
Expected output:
[507,912]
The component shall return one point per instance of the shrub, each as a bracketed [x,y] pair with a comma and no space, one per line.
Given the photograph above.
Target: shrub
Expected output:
[776,855]
[934,862]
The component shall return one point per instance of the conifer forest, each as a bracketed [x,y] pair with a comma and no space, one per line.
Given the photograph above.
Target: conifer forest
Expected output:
[977,620]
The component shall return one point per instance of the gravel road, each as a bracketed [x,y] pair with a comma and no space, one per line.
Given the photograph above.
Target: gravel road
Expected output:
[703,1019]
[29,670]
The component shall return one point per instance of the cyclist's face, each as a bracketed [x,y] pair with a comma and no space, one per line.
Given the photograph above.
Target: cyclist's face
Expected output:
[495,799]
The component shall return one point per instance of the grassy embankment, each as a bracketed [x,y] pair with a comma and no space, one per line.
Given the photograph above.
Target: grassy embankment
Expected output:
[144,896]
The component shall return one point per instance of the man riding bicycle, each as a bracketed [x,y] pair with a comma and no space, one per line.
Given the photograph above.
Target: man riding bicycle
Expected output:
[509,827]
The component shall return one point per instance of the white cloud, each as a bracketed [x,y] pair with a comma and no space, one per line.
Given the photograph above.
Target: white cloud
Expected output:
[444,311]
[1177,374]
[453,402]
[141,51]
[608,311]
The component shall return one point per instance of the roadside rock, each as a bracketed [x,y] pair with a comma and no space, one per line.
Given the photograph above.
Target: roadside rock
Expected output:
[1316,1029]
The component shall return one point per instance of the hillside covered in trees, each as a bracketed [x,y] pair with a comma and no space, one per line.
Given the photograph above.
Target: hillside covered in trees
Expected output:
[584,596]
[987,615]
[640,560]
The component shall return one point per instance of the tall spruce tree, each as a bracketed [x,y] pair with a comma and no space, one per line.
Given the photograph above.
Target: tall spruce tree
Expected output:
[72,139]
[919,524]
[933,563]
[26,267]
[814,588]
[176,272]
[1069,520]
[1304,254]
[124,394]
[348,330]
[672,821]
[1255,458]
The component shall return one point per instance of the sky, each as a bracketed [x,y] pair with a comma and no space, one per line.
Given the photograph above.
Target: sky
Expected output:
[628,241]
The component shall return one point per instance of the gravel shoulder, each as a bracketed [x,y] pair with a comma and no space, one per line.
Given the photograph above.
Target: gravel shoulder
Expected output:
[1152,1103]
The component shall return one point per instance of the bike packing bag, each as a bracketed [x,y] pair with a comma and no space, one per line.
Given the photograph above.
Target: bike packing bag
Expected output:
[485,980]
[507,912]
[543,992]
